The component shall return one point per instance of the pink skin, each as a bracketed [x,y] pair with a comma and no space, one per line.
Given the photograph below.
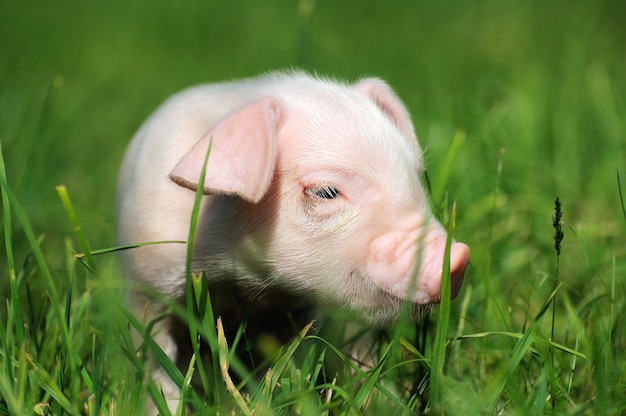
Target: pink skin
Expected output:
[269,141]
[393,241]
[394,254]
[312,187]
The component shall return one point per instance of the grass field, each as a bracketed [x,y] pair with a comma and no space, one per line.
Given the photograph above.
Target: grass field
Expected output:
[532,96]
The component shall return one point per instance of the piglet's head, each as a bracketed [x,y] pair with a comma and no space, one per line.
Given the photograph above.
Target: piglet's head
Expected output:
[337,170]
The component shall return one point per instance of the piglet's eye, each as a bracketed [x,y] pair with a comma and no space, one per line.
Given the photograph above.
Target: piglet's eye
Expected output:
[326,192]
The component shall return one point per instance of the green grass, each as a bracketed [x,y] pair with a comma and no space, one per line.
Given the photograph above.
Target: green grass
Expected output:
[516,103]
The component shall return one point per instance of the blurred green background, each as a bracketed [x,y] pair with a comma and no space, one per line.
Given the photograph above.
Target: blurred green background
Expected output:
[537,87]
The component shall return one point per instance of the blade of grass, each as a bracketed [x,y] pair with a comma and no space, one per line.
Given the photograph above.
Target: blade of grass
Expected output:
[283,361]
[6,207]
[353,367]
[317,369]
[181,408]
[139,363]
[490,238]
[538,340]
[157,398]
[160,358]
[207,329]
[461,327]
[539,395]
[348,396]
[558,237]
[372,379]
[158,354]
[13,399]
[496,386]
[7,348]
[438,357]
[609,331]
[621,195]
[48,383]
[74,359]
[411,348]
[12,402]
[80,256]
[189,300]
[81,238]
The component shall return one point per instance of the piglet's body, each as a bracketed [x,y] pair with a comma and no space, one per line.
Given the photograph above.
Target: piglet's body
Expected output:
[312,189]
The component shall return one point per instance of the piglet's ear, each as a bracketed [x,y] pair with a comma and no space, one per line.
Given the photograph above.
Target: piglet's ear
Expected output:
[383,96]
[243,154]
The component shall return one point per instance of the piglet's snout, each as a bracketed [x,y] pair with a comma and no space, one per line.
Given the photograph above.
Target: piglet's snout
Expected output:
[459,259]
[409,264]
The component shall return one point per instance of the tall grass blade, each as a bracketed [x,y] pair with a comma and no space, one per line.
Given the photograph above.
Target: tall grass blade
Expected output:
[9,398]
[621,195]
[181,408]
[193,223]
[81,238]
[373,377]
[159,357]
[537,399]
[108,250]
[49,385]
[558,238]
[609,332]
[22,368]
[350,407]
[539,340]
[12,395]
[13,281]
[155,349]
[74,359]
[414,351]
[282,363]
[438,358]
[495,387]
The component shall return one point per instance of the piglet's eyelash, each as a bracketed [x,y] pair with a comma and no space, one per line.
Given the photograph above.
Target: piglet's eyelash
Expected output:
[326,192]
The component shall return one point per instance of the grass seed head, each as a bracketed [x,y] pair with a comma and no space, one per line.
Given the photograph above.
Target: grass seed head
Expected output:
[558,232]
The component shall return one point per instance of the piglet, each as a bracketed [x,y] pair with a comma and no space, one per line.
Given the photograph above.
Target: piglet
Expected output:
[312,193]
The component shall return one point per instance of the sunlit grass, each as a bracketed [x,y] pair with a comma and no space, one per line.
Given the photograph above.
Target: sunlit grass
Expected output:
[533,368]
